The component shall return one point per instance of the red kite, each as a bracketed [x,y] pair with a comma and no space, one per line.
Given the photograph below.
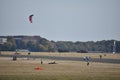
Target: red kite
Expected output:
[30,18]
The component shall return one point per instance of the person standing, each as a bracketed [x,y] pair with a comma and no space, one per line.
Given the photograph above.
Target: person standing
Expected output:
[41,61]
[100,57]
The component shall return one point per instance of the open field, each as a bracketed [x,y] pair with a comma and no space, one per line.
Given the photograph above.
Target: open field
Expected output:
[24,69]
[92,55]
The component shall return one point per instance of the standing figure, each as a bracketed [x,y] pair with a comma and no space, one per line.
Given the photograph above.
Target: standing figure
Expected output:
[41,61]
[100,56]
[88,63]
[14,57]
[28,55]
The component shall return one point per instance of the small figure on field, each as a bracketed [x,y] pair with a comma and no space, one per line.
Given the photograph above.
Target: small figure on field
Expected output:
[28,55]
[88,63]
[86,58]
[41,61]
[14,58]
[52,62]
[100,56]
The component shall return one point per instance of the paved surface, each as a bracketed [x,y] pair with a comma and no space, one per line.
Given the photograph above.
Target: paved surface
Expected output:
[103,60]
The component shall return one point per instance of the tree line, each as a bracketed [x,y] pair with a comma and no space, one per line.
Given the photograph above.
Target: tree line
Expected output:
[44,45]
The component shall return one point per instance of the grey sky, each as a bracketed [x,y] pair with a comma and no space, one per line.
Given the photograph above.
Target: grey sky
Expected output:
[71,20]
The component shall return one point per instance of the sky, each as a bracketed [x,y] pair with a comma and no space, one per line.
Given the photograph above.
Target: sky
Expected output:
[62,20]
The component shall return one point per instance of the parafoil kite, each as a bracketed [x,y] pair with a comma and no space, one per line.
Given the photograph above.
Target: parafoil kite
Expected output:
[30,18]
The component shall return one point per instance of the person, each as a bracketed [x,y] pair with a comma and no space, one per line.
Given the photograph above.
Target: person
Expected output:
[86,58]
[100,56]
[41,61]
[28,55]
[88,63]
[52,62]
[14,58]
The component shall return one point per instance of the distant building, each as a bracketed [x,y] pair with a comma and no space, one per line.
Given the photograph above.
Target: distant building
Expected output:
[20,39]
[27,38]
[33,39]
[3,40]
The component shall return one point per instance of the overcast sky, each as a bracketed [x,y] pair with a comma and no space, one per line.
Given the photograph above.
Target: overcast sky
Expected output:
[66,20]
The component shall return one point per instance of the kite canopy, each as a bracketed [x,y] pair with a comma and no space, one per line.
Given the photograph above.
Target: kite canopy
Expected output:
[30,18]
[38,68]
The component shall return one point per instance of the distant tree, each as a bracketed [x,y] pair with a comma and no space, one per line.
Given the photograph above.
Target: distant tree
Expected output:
[118,46]
[39,44]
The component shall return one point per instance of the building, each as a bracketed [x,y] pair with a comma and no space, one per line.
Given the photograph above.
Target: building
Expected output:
[3,40]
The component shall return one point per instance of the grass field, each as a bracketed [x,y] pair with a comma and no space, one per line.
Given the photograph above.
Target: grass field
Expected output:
[24,69]
[71,54]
